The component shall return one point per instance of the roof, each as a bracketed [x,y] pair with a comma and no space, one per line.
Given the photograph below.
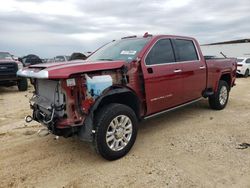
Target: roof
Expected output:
[230,42]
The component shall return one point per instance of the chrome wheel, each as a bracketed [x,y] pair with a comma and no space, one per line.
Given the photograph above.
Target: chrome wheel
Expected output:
[223,95]
[119,132]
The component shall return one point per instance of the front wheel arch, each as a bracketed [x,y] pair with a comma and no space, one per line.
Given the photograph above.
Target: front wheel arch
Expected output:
[121,96]
[114,95]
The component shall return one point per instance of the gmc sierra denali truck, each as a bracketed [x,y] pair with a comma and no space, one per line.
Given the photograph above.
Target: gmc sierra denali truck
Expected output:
[102,98]
[8,70]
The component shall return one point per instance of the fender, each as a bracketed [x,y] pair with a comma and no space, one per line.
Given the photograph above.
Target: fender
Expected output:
[219,78]
[88,129]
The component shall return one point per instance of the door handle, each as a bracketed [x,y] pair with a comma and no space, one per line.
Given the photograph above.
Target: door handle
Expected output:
[177,70]
[202,67]
[150,70]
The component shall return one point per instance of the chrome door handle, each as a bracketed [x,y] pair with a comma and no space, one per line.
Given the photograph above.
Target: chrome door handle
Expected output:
[202,67]
[177,70]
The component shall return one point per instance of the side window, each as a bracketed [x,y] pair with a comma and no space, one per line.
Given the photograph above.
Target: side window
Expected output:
[161,53]
[248,61]
[185,50]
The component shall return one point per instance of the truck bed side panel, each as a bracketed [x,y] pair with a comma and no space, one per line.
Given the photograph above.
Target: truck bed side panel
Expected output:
[218,67]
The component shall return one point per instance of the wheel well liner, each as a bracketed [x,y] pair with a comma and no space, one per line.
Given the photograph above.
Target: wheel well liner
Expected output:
[114,95]
[227,78]
[120,95]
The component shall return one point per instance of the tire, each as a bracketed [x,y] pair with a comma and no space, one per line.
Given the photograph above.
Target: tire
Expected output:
[113,140]
[218,101]
[246,73]
[22,84]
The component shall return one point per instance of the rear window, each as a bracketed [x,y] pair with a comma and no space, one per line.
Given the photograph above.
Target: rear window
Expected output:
[185,50]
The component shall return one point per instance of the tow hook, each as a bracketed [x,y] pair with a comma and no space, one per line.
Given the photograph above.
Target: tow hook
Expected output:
[28,119]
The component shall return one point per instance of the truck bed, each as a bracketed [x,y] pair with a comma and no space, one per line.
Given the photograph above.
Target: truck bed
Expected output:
[218,66]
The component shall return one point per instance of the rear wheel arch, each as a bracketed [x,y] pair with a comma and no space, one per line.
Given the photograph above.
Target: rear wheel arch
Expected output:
[225,77]
[219,99]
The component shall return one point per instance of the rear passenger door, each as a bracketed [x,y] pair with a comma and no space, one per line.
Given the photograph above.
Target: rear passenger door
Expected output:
[193,69]
[162,78]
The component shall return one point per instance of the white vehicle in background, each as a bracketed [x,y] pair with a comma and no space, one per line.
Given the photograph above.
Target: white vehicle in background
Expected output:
[243,66]
[61,58]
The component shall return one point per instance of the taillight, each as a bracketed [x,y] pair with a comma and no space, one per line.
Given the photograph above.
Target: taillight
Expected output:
[239,65]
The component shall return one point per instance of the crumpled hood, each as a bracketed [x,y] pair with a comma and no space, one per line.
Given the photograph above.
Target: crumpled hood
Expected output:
[65,69]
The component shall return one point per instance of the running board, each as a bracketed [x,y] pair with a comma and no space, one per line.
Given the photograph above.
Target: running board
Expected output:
[172,109]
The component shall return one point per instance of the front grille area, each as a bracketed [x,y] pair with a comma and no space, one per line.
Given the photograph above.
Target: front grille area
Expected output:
[49,94]
[8,69]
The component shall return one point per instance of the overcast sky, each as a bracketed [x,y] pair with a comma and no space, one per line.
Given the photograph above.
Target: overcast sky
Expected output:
[49,28]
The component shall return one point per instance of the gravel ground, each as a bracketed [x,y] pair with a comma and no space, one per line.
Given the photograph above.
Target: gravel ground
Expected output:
[191,147]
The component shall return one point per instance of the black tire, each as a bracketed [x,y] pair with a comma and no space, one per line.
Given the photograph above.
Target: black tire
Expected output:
[214,100]
[103,120]
[246,73]
[22,84]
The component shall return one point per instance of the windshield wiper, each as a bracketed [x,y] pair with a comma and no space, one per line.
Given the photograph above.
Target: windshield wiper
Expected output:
[105,59]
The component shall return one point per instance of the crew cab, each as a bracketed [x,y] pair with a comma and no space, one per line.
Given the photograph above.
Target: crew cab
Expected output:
[8,70]
[102,99]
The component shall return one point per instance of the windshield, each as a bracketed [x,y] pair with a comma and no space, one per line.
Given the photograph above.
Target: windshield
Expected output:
[240,60]
[5,55]
[125,49]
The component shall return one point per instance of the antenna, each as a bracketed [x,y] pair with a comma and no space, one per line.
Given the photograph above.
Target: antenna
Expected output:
[223,55]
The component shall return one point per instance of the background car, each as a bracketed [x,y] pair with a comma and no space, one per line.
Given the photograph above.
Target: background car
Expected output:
[8,70]
[30,59]
[61,58]
[77,56]
[243,66]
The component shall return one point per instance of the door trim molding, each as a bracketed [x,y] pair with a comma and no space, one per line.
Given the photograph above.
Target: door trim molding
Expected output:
[172,109]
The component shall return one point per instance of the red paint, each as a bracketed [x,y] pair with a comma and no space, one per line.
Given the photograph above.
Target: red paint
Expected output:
[65,70]
[158,87]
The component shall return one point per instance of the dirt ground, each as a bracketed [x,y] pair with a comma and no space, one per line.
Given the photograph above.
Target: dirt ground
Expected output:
[190,147]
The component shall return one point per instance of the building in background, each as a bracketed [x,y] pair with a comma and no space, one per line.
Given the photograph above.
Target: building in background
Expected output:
[234,48]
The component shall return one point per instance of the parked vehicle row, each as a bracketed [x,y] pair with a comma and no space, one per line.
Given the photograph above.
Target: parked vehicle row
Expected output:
[9,64]
[30,59]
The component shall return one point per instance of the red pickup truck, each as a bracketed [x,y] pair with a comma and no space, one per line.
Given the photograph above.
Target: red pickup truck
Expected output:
[102,98]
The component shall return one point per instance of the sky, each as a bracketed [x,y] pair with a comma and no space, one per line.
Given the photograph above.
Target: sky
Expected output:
[59,27]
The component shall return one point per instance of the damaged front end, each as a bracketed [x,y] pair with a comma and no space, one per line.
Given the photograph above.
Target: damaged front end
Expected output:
[53,105]
[64,105]
[66,95]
